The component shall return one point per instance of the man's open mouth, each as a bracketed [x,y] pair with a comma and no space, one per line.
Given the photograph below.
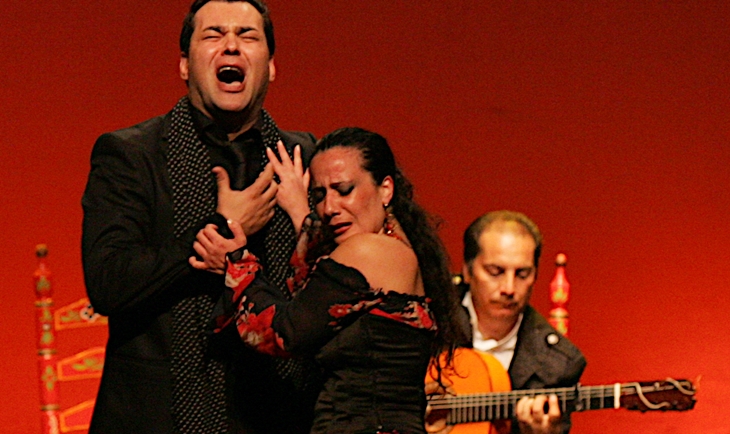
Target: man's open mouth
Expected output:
[230,74]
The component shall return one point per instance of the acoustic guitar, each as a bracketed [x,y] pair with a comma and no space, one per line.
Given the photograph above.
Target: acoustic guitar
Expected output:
[484,402]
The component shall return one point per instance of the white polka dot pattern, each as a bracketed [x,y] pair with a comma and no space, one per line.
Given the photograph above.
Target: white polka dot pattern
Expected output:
[198,381]
[198,395]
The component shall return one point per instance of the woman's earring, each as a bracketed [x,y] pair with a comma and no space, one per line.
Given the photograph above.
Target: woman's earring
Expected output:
[388,223]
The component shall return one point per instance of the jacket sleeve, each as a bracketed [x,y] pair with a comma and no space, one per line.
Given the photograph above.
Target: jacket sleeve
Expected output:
[540,363]
[574,369]
[130,254]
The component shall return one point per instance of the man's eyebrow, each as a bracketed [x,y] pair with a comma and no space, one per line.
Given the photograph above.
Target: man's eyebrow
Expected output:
[214,28]
[239,30]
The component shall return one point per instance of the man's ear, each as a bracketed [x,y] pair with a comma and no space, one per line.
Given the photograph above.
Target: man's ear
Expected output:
[272,69]
[465,273]
[184,73]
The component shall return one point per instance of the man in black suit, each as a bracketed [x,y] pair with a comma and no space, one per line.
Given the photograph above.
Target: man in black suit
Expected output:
[501,255]
[150,190]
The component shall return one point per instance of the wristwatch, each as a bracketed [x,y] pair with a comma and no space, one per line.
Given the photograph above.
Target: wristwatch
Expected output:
[236,255]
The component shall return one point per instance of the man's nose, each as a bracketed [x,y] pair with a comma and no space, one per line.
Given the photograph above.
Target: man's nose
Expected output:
[231,41]
[508,285]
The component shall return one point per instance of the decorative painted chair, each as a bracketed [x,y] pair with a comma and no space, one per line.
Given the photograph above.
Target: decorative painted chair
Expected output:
[83,368]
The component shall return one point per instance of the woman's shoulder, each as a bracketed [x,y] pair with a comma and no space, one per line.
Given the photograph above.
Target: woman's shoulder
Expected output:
[373,247]
[386,262]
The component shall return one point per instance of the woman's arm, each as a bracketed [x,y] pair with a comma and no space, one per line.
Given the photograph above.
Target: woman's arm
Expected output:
[334,297]
[275,323]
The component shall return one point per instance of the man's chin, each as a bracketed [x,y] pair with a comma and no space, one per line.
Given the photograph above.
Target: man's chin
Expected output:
[230,107]
[506,313]
[233,114]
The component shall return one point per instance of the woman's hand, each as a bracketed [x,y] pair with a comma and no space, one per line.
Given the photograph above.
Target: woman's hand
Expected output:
[212,247]
[293,183]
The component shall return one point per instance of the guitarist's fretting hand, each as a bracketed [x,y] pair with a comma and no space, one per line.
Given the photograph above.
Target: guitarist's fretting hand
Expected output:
[437,426]
[532,417]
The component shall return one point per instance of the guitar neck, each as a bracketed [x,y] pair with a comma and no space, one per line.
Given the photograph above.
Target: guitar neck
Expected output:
[501,405]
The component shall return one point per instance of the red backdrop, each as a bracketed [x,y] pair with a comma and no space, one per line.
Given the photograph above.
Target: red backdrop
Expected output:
[607,122]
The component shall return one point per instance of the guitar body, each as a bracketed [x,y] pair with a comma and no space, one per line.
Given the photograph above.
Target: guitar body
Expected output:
[473,372]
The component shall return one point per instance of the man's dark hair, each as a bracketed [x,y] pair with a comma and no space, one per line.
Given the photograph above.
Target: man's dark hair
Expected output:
[475,230]
[189,23]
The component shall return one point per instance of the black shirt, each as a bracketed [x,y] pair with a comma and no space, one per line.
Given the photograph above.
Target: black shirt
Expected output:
[241,157]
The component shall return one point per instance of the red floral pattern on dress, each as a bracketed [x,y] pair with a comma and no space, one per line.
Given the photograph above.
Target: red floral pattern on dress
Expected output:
[415,314]
[238,276]
[342,311]
[256,327]
[256,331]
[310,242]
[298,262]
[241,273]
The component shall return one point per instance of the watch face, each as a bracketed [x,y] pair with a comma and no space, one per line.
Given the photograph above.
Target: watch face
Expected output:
[236,255]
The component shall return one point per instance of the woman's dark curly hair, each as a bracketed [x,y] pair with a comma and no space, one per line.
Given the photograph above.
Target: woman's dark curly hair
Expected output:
[419,227]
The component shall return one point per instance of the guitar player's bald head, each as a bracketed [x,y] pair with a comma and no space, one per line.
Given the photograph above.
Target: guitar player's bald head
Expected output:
[501,218]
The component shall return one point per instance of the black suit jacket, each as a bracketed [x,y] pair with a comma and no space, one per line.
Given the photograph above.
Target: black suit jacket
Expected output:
[539,360]
[136,270]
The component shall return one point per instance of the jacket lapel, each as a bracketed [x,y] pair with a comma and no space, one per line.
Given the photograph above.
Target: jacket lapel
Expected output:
[529,342]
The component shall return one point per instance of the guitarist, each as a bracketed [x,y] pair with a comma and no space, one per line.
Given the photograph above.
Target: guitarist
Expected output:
[501,254]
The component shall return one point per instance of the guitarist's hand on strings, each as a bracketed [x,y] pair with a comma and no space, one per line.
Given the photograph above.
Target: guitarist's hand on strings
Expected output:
[533,419]
[436,423]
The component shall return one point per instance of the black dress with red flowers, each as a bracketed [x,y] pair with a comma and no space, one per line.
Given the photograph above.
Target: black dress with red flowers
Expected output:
[373,346]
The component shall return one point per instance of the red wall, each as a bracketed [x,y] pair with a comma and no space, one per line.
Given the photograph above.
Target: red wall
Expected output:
[607,122]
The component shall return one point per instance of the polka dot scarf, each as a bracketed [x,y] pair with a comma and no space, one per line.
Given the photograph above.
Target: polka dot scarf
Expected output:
[198,395]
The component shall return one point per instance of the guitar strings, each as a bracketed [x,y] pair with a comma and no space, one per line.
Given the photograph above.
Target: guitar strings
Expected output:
[438,402]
